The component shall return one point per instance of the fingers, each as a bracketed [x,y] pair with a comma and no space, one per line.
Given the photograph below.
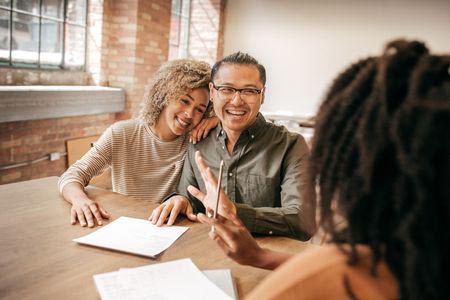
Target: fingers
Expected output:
[196,192]
[205,171]
[164,214]
[80,216]
[204,219]
[73,216]
[174,213]
[88,215]
[197,132]
[228,236]
[224,246]
[205,133]
[156,213]
[190,213]
[96,213]
[104,213]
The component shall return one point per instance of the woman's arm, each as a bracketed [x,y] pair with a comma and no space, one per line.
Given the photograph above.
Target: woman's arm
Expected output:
[71,183]
[238,244]
[83,209]
[202,129]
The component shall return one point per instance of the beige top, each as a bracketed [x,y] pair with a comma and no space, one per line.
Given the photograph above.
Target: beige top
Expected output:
[141,164]
[319,274]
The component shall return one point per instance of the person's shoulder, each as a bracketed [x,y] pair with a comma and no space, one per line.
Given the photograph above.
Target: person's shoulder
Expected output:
[207,143]
[281,132]
[127,127]
[315,273]
[314,258]
[304,274]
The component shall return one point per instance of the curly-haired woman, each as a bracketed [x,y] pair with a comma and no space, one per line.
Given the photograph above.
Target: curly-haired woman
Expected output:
[145,154]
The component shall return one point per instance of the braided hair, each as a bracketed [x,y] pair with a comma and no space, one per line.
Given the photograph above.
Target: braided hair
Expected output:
[381,154]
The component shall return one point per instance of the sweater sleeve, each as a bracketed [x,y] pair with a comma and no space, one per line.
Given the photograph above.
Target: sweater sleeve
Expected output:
[93,163]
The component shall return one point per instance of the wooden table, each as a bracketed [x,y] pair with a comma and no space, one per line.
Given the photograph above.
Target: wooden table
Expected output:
[39,260]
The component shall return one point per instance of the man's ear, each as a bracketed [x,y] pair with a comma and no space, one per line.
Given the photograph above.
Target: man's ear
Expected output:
[263,95]
[211,90]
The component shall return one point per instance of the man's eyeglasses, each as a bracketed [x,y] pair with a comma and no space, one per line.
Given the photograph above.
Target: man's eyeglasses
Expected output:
[228,92]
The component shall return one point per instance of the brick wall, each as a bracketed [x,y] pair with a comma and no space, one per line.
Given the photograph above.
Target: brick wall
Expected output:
[29,140]
[206,30]
[137,34]
[127,42]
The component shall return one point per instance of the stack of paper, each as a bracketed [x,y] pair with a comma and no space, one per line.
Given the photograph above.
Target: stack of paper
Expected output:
[179,279]
[135,236]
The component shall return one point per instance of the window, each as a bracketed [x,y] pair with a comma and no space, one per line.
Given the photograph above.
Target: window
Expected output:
[179,29]
[43,33]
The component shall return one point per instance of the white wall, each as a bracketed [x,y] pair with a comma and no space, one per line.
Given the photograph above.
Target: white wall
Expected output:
[304,44]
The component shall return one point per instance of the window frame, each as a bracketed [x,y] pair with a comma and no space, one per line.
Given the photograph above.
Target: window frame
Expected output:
[182,18]
[63,21]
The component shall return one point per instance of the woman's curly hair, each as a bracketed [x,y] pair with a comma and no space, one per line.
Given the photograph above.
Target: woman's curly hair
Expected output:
[173,79]
[382,150]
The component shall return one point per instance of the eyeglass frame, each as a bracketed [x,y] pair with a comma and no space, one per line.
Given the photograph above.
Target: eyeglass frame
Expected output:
[258,91]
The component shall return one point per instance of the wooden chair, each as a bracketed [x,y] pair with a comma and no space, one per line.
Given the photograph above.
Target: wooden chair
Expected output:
[76,148]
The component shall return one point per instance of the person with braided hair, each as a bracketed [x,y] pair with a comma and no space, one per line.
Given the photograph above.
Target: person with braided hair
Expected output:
[381,159]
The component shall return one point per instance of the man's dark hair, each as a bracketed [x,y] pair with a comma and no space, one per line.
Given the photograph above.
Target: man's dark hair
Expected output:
[382,150]
[240,58]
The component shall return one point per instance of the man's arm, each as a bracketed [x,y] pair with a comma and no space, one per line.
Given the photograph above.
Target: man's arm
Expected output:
[188,178]
[296,216]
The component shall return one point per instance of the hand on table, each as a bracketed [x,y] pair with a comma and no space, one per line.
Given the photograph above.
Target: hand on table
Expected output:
[170,209]
[202,129]
[85,211]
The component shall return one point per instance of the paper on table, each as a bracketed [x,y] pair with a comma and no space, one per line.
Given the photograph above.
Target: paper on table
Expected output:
[135,236]
[223,279]
[179,279]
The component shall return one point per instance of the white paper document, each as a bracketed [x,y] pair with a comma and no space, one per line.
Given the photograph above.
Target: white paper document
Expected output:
[223,279]
[179,279]
[135,236]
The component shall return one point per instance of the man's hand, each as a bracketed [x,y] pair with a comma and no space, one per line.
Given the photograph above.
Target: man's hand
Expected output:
[171,209]
[85,210]
[202,129]
[226,206]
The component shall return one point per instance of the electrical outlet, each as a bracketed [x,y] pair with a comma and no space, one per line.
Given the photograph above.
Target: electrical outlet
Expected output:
[54,156]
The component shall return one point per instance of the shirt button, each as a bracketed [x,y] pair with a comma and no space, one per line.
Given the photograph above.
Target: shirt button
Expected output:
[230,174]
[271,232]
[253,136]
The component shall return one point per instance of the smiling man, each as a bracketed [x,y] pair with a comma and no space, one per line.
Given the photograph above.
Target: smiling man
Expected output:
[265,165]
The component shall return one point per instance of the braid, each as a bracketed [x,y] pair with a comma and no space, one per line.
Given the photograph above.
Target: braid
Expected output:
[381,148]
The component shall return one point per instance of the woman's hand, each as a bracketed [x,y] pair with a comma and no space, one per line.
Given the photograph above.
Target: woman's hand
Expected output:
[85,211]
[226,207]
[202,129]
[235,240]
[170,209]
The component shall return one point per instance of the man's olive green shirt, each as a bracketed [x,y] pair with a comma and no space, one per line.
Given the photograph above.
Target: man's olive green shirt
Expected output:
[265,176]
